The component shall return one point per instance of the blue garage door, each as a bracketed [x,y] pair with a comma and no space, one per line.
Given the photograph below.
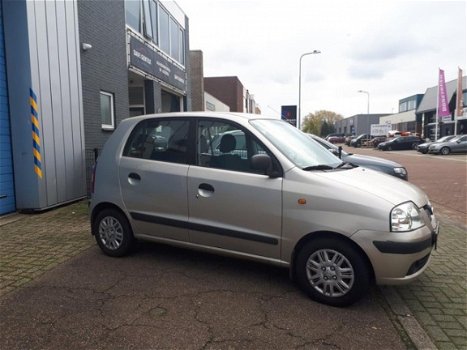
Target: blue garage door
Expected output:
[7,192]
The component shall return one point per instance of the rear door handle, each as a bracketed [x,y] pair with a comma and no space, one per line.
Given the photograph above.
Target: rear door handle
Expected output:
[205,190]
[206,187]
[134,176]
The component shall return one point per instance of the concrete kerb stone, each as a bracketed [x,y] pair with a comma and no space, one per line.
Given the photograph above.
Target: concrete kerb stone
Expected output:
[405,317]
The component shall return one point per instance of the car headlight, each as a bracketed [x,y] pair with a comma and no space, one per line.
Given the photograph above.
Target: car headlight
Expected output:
[400,171]
[405,217]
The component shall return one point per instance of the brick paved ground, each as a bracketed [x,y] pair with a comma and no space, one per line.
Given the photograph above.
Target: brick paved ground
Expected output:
[33,244]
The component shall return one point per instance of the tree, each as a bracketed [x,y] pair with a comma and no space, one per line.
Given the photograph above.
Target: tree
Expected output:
[321,122]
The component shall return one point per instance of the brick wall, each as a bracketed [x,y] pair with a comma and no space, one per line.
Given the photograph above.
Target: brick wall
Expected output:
[197,80]
[104,66]
[227,89]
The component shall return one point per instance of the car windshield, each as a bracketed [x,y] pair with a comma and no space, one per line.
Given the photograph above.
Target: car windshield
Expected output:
[454,139]
[297,146]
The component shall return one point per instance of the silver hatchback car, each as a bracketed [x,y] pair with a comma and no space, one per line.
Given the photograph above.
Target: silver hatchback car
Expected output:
[258,188]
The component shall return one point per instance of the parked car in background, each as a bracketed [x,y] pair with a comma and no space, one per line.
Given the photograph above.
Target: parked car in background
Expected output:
[360,139]
[348,139]
[336,139]
[377,140]
[423,147]
[457,144]
[285,201]
[375,163]
[401,143]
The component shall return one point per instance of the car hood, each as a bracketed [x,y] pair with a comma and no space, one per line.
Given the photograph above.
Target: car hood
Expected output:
[425,144]
[358,159]
[383,186]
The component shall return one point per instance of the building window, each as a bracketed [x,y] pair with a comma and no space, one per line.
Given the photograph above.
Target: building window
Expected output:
[155,30]
[464,94]
[133,14]
[164,34]
[411,105]
[174,40]
[107,111]
[403,107]
[147,19]
[152,20]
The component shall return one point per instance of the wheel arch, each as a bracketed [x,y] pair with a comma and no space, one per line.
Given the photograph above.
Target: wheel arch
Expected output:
[103,206]
[327,234]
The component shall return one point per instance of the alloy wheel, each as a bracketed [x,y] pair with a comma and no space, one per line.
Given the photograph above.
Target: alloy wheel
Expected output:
[330,273]
[111,232]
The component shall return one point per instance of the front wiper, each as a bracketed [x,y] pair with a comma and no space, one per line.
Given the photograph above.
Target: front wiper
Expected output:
[318,167]
[346,165]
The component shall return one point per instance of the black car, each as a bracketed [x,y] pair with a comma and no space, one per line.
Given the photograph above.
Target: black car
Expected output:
[423,147]
[375,163]
[401,142]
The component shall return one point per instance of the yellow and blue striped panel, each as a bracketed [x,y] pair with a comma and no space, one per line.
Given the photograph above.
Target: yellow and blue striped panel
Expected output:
[36,141]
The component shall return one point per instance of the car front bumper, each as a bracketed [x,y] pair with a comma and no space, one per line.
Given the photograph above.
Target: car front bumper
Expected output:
[399,257]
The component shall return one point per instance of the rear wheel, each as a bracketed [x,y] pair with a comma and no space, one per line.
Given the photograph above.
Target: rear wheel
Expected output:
[389,148]
[414,146]
[445,151]
[113,232]
[332,272]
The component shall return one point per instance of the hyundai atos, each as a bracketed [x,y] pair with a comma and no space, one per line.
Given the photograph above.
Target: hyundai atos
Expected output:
[258,188]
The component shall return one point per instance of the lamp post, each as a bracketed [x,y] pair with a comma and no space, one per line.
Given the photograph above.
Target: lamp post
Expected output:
[368,94]
[299,119]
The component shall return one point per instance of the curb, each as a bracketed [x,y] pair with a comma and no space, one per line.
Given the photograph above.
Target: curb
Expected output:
[414,330]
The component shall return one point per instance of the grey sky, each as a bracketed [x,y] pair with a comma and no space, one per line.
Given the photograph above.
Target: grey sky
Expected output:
[390,48]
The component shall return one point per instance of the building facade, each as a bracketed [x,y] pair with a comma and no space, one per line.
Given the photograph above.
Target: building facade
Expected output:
[358,124]
[426,112]
[231,91]
[406,119]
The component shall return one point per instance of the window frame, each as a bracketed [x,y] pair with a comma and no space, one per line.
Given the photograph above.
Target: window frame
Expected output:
[108,127]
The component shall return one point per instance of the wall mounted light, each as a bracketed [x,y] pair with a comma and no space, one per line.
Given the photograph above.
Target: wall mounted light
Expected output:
[86,46]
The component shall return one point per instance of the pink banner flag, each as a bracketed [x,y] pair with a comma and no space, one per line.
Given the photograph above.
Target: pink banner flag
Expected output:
[459,100]
[443,103]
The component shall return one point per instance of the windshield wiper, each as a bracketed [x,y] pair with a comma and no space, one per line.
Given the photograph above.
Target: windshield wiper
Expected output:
[318,167]
[346,165]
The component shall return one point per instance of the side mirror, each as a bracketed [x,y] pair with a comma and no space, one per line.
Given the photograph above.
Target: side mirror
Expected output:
[263,163]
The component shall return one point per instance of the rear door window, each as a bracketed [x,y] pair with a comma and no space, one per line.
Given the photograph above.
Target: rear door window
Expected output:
[159,139]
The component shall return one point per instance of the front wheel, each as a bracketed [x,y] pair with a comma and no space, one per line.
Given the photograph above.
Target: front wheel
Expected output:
[113,233]
[332,272]
[445,151]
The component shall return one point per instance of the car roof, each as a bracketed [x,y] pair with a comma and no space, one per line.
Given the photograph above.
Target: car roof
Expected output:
[224,115]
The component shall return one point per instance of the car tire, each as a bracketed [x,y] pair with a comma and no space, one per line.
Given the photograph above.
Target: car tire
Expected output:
[445,151]
[389,148]
[424,151]
[327,266]
[113,232]
[414,146]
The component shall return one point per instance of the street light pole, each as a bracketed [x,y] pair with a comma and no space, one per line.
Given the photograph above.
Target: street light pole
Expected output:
[368,94]
[299,118]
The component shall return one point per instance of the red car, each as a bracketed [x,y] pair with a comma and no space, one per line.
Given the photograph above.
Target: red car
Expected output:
[336,139]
